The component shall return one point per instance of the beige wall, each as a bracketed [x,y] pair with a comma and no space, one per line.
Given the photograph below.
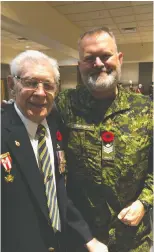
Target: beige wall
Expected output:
[68,77]
[137,52]
[130,72]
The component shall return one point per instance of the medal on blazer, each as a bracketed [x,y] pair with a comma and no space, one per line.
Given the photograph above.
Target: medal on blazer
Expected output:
[61,161]
[60,153]
[6,161]
[108,150]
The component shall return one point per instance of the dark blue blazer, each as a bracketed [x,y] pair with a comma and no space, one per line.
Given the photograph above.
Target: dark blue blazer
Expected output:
[25,221]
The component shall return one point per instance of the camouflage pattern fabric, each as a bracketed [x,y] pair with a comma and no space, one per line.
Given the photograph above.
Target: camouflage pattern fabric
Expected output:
[101,187]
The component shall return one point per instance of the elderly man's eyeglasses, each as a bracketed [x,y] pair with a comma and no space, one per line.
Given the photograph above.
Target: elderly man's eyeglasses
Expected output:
[32,84]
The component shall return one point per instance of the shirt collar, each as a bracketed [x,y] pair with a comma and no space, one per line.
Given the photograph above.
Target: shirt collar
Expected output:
[30,126]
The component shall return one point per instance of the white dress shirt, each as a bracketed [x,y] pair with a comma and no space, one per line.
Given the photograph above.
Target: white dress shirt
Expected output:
[31,128]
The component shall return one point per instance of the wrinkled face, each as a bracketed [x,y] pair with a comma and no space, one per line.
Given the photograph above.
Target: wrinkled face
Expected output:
[100,63]
[35,103]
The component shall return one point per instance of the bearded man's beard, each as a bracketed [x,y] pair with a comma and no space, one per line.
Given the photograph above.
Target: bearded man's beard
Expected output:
[97,82]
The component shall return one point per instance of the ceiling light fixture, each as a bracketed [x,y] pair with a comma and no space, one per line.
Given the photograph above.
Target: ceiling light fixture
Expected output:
[22,39]
[128,29]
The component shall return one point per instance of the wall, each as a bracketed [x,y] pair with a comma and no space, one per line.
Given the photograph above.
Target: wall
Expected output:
[130,72]
[145,75]
[68,77]
[137,52]
[5,71]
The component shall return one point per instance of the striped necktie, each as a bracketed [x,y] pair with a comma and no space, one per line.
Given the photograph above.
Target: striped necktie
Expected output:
[50,187]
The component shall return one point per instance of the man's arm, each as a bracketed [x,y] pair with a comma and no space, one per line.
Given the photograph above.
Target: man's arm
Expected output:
[77,223]
[134,213]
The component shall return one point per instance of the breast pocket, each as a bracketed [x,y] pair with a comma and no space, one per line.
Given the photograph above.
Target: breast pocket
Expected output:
[80,136]
[85,152]
[132,160]
[133,149]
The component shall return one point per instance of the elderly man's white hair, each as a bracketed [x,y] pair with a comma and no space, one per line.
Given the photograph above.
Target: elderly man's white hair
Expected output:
[35,57]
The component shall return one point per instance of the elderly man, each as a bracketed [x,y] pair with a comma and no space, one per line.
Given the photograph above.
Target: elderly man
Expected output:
[35,208]
[109,134]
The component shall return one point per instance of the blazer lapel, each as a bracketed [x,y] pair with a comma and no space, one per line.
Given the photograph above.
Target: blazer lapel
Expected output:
[23,153]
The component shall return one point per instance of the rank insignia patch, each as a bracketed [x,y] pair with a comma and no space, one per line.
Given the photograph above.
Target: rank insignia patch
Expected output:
[108,150]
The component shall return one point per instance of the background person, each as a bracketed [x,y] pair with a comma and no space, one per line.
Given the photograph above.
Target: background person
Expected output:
[131,87]
[151,89]
[139,89]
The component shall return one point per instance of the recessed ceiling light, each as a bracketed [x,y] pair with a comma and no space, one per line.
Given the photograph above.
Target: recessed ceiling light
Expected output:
[128,29]
[22,39]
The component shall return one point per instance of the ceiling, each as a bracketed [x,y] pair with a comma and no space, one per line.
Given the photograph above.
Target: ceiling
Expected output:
[73,18]
[114,14]
[17,42]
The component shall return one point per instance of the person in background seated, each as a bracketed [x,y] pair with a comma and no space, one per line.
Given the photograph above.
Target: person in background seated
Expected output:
[139,90]
[131,88]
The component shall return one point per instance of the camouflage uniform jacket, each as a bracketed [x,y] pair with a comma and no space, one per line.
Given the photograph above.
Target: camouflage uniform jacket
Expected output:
[101,187]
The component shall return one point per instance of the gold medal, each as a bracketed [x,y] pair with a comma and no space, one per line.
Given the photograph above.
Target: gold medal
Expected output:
[9,178]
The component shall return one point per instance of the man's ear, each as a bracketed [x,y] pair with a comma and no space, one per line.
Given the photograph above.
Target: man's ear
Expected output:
[120,56]
[10,82]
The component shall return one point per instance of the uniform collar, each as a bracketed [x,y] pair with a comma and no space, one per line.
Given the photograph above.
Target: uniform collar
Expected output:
[85,101]
[120,103]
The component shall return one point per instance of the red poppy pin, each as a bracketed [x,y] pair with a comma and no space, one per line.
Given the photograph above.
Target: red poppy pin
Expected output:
[108,146]
[107,136]
[59,136]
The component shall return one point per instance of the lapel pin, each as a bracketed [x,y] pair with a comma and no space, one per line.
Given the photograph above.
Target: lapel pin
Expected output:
[17,143]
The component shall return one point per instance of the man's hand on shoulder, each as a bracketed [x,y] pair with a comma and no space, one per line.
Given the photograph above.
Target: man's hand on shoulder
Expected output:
[4,102]
[95,246]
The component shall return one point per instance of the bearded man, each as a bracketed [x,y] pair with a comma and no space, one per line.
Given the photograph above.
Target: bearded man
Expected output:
[109,137]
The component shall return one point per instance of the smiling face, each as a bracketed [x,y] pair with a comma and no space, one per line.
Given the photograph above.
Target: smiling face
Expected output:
[100,63]
[35,104]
